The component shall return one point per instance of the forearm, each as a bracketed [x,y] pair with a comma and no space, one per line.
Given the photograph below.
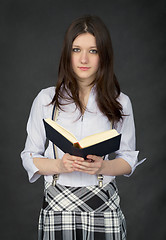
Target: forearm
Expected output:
[115,167]
[52,166]
[47,166]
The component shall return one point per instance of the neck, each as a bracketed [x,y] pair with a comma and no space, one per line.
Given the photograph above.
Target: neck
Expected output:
[84,87]
[84,92]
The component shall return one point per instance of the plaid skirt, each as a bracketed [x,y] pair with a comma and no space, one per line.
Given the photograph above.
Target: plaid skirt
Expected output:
[81,213]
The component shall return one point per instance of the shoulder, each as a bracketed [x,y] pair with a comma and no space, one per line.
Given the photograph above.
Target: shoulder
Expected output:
[46,95]
[125,101]
[47,92]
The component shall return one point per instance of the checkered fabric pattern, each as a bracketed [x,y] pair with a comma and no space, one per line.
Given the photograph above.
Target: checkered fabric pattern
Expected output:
[81,213]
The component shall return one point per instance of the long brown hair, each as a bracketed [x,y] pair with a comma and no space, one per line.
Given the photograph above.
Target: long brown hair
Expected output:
[107,86]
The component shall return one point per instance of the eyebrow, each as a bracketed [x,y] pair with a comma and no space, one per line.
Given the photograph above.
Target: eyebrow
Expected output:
[89,47]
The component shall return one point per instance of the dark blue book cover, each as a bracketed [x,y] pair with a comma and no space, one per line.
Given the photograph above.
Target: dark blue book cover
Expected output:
[99,149]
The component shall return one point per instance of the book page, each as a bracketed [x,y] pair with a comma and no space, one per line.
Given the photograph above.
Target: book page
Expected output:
[98,137]
[61,130]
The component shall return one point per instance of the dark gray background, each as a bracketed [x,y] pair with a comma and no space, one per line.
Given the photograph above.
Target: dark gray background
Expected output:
[31,40]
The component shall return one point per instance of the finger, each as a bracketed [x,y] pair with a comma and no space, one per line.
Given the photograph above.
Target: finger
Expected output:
[89,160]
[78,167]
[69,157]
[94,157]
[83,165]
[75,158]
[87,170]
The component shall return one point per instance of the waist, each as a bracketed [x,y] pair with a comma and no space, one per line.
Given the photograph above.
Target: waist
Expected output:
[77,179]
[86,199]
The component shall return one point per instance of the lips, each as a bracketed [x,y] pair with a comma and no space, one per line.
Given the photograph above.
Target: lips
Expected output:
[84,68]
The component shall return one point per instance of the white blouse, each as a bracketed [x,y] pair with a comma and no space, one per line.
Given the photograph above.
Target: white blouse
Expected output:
[92,122]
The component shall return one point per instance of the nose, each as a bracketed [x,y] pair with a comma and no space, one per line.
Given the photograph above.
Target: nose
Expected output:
[84,57]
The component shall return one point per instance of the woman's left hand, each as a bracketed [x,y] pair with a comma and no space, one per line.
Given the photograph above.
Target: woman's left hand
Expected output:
[92,165]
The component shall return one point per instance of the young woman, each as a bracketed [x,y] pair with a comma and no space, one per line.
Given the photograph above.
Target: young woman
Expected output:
[86,100]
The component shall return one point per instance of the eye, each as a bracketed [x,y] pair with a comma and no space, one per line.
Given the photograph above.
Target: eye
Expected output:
[76,50]
[94,51]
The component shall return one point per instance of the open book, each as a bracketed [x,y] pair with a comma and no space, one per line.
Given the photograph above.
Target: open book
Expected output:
[98,144]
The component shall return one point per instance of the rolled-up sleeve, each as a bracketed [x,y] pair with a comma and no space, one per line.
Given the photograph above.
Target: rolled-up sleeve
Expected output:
[127,128]
[35,142]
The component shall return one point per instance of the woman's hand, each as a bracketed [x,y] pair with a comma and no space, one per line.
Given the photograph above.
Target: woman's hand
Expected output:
[92,165]
[66,163]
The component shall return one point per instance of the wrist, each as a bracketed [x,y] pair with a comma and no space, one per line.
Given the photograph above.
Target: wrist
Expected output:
[58,166]
[103,166]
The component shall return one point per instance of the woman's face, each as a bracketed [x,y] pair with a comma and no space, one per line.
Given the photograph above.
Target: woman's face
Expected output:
[85,58]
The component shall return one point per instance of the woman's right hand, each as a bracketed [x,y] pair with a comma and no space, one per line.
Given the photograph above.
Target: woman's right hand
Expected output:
[66,163]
